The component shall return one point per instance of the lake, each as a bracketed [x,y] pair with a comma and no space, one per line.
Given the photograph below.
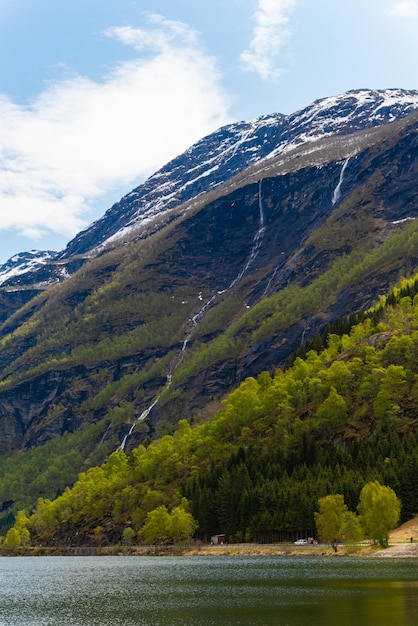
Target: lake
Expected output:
[207,591]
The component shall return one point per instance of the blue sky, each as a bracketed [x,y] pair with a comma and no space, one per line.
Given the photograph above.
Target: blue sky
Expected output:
[96,95]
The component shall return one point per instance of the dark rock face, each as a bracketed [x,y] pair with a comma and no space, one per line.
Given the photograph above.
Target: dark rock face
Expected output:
[214,244]
[22,408]
[12,300]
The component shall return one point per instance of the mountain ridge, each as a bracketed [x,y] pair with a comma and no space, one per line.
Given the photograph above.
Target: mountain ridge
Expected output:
[246,142]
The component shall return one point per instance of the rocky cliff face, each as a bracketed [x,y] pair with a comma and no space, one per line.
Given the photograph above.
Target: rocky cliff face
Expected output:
[189,294]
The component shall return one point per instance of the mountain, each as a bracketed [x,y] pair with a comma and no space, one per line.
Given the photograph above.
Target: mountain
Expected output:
[218,158]
[227,152]
[217,268]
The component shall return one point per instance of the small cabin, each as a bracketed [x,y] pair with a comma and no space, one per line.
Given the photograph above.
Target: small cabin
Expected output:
[218,540]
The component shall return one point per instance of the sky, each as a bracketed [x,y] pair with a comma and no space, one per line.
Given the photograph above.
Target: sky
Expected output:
[97,95]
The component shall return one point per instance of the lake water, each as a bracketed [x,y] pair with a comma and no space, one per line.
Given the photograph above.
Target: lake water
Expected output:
[207,591]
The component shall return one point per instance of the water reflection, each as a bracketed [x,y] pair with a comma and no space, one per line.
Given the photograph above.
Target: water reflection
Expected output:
[146,591]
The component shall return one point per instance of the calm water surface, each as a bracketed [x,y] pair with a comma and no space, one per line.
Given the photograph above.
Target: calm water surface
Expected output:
[159,591]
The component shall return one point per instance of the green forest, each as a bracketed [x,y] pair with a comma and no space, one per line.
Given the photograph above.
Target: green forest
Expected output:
[338,417]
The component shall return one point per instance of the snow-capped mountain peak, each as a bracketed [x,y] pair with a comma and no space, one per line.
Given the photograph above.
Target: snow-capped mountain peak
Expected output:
[24,263]
[218,157]
[233,148]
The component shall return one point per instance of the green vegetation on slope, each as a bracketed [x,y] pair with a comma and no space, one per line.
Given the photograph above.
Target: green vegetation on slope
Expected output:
[331,423]
[46,470]
[290,305]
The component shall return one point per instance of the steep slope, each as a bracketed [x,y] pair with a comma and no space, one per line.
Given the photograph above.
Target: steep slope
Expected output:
[331,423]
[161,323]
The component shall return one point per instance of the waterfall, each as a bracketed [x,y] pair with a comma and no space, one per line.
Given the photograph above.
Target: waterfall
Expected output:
[258,237]
[337,191]
[105,433]
[204,308]
[141,418]
[260,206]
[336,196]
[199,316]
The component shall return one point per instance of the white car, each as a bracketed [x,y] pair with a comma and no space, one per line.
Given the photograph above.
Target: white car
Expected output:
[301,542]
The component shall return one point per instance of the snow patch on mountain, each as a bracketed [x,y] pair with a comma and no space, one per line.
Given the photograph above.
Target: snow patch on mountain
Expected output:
[346,114]
[25,262]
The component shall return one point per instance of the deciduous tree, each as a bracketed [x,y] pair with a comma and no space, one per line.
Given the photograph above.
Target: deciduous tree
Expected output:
[163,527]
[183,525]
[157,526]
[12,539]
[379,509]
[351,530]
[329,519]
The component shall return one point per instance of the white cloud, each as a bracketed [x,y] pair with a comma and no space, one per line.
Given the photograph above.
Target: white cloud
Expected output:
[81,138]
[404,9]
[271,32]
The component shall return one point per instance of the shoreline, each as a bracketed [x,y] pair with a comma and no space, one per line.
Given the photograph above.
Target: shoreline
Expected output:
[395,550]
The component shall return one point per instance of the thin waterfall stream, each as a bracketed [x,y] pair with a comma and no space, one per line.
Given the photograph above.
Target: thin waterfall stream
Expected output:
[199,316]
[336,196]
